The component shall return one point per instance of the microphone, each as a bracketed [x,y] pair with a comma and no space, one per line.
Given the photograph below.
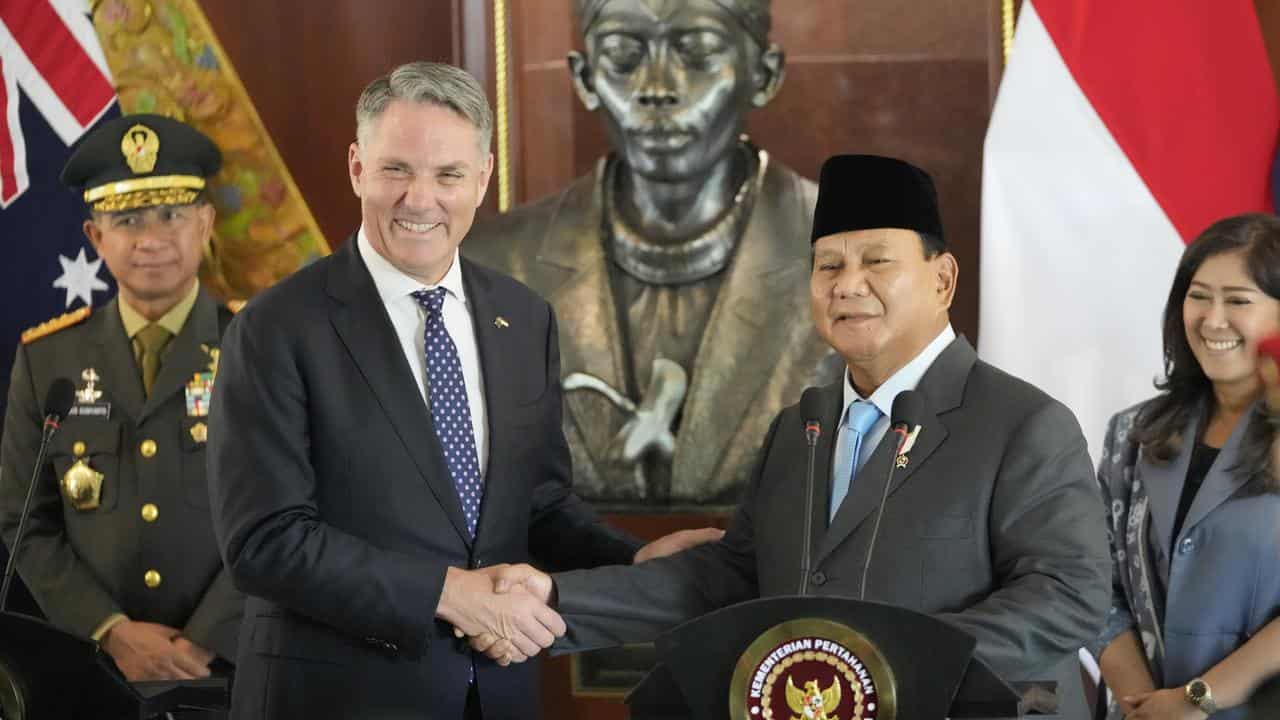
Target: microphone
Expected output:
[908,408]
[810,410]
[57,403]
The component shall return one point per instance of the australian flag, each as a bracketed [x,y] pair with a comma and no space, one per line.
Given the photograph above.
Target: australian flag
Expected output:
[54,87]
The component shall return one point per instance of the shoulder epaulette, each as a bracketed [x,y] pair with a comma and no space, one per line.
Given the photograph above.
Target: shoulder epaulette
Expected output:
[49,327]
[235,305]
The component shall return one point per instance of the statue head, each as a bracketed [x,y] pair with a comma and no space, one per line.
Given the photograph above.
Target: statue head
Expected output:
[675,78]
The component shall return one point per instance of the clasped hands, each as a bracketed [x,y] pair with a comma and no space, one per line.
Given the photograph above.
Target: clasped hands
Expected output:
[505,611]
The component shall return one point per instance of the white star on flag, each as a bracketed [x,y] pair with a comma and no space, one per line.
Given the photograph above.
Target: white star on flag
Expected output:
[80,278]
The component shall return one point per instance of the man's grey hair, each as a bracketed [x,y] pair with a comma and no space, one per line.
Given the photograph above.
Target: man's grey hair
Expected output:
[426,82]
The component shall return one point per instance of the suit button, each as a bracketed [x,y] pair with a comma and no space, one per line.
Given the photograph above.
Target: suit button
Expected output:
[1186,546]
[152,579]
[150,512]
[79,448]
[147,448]
[818,578]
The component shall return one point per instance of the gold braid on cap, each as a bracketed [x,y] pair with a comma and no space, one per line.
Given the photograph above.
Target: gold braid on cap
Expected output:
[144,192]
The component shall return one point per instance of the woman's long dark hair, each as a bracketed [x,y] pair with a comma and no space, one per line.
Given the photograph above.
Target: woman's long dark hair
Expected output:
[1185,388]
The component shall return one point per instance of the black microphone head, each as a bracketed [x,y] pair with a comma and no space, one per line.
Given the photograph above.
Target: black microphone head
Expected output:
[811,414]
[811,405]
[60,398]
[908,408]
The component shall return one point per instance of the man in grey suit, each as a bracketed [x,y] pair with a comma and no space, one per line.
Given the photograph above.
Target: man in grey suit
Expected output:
[994,524]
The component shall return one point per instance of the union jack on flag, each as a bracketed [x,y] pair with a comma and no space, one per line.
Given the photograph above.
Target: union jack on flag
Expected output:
[54,87]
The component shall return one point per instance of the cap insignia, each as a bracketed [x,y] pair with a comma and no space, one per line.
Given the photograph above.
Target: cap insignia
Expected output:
[141,148]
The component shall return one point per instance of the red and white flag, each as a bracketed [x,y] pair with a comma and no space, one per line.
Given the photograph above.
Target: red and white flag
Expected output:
[1121,130]
[48,49]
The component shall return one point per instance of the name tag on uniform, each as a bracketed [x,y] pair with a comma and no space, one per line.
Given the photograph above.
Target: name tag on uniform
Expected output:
[97,410]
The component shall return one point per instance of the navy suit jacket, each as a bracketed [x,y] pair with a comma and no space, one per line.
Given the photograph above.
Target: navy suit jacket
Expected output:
[335,511]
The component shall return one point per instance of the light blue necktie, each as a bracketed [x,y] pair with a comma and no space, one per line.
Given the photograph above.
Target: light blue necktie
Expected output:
[862,417]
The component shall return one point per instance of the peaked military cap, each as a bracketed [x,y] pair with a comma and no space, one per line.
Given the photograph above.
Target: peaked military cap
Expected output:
[864,192]
[137,161]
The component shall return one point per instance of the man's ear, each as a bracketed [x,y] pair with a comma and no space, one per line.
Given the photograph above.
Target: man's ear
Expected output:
[948,273]
[355,167]
[580,74]
[486,172]
[93,234]
[769,73]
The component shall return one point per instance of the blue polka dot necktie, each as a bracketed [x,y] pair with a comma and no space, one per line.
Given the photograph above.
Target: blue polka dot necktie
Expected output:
[450,412]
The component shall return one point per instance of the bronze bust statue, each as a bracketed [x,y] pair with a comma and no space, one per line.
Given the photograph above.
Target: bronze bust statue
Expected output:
[679,269]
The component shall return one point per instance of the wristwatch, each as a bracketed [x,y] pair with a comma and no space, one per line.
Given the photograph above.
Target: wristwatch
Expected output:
[1199,694]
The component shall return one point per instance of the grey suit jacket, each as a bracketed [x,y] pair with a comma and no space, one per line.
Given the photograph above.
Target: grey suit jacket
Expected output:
[744,373]
[994,526]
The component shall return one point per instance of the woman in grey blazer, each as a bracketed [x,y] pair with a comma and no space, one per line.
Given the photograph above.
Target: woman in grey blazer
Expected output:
[1191,484]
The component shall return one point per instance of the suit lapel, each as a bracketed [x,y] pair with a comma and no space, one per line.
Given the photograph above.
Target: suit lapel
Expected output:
[943,390]
[1163,483]
[121,380]
[573,259]
[185,355]
[365,329]
[765,289]
[493,344]
[1220,483]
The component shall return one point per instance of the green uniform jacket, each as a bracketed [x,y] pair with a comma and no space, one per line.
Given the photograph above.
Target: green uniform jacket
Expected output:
[84,565]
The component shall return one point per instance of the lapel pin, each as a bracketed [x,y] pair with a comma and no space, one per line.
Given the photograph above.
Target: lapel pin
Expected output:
[501,322]
[902,461]
[910,442]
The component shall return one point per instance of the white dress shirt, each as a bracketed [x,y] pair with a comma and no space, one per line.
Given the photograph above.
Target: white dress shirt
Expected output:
[410,323]
[907,378]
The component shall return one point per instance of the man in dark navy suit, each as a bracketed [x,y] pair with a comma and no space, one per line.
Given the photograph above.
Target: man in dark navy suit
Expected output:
[388,429]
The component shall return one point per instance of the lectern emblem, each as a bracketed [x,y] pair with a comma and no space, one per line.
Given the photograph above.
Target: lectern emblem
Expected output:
[813,703]
[812,669]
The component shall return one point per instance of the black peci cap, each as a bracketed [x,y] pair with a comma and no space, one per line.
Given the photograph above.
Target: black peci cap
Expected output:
[863,192]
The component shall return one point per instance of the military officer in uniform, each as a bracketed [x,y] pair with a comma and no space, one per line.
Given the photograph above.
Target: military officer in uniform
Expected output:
[119,546]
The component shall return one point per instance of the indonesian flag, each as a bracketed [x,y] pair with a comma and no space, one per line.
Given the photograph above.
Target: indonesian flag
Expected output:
[1122,129]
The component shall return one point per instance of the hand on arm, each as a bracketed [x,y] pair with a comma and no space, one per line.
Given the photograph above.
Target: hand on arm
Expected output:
[149,651]
[678,541]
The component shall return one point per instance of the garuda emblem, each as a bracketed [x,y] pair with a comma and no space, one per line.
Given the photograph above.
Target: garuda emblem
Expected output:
[811,703]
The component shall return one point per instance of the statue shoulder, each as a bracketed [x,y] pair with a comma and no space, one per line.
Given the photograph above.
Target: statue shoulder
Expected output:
[53,325]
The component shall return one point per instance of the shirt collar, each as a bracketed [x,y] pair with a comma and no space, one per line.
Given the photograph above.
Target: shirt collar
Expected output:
[172,321]
[907,377]
[393,284]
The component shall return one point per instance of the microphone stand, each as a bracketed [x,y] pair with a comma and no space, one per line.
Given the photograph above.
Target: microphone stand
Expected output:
[50,428]
[811,431]
[884,498]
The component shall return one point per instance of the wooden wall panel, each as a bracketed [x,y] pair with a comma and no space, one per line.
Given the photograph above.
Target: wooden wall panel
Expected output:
[305,63]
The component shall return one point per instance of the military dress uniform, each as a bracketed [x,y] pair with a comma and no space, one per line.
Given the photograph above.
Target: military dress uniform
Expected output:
[120,524]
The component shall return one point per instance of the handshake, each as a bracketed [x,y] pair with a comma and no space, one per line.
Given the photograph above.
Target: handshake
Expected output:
[505,611]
